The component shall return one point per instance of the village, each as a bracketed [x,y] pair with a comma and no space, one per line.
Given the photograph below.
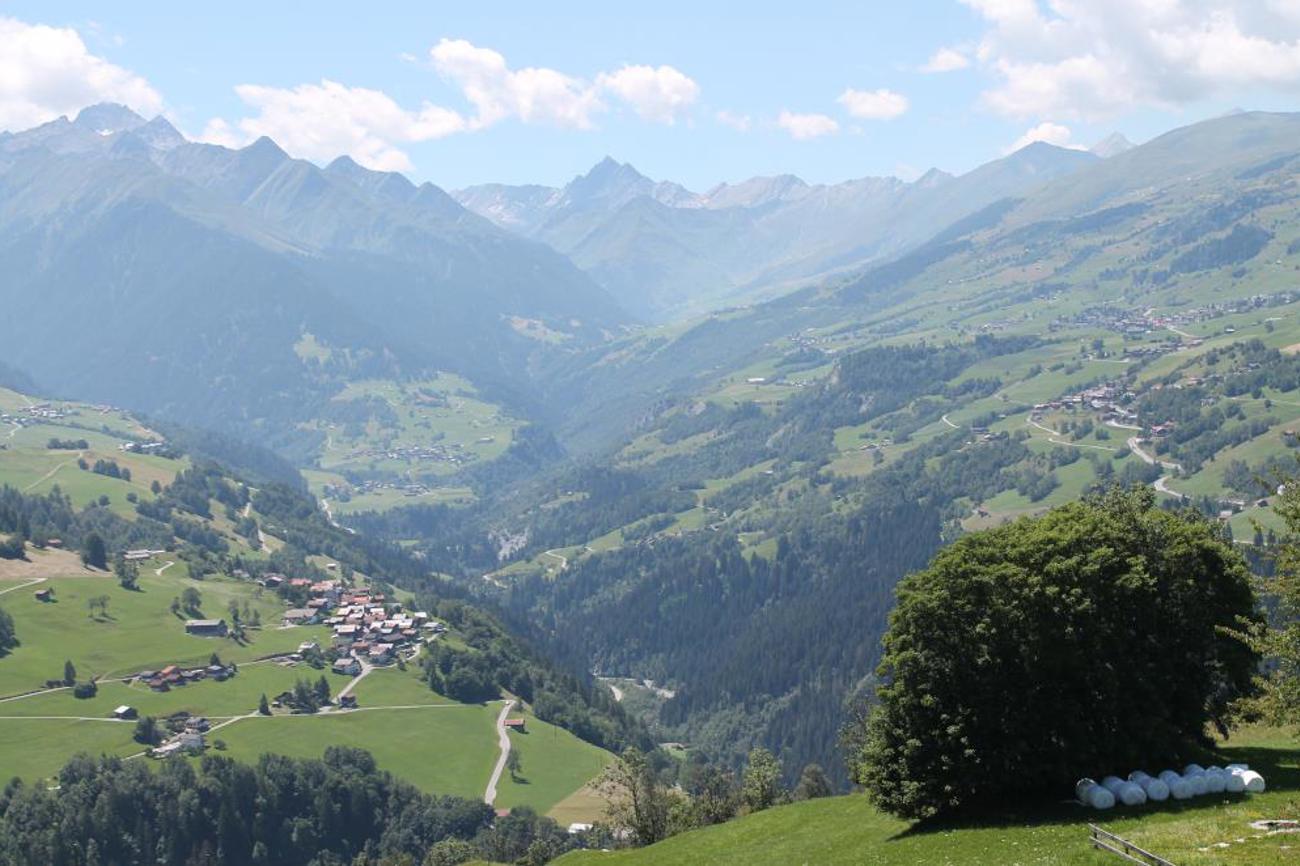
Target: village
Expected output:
[369,630]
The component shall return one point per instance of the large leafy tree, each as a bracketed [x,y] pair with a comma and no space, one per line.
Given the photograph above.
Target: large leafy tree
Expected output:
[1087,641]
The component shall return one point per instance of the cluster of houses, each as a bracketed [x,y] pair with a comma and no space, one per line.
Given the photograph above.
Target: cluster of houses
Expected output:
[173,676]
[1111,399]
[190,738]
[1135,324]
[367,626]
[406,488]
[158,449]
[439,453]
[29,415]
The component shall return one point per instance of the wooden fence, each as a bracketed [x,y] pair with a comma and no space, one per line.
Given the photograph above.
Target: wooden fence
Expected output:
[1106,841]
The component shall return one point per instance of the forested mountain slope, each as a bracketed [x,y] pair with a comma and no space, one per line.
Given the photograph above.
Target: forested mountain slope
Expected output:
[179,277]
[761,478]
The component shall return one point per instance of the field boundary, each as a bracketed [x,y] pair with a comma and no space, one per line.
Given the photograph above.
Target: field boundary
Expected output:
[1104,840]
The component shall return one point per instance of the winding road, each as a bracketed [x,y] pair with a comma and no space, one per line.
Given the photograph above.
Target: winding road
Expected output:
[1052,434]
[503,740]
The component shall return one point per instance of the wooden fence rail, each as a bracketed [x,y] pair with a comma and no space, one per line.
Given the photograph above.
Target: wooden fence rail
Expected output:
[1108,841]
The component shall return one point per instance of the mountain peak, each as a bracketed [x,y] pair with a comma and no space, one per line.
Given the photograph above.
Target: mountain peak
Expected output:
[1112,145]
[107,118]
[266,148]
[609,179]
[932,178]
[159,133]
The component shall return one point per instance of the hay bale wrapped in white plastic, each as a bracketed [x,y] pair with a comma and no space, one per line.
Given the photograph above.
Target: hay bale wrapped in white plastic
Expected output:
[1179,788]
[1233,783]
[1156,790]
[1124,792]
[1093,795]
[1193,770]
[1216,780]
[1252,782]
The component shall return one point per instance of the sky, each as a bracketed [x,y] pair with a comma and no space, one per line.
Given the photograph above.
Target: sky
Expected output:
[696,92]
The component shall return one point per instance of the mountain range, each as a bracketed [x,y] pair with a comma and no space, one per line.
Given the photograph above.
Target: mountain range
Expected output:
[178,277]
[665,252]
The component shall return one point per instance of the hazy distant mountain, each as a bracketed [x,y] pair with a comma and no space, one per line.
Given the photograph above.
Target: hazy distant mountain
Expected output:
[177,277]
[664,251]
[1112,145]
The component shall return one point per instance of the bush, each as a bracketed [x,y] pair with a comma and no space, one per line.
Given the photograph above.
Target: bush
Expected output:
[1084,642]
[85,690]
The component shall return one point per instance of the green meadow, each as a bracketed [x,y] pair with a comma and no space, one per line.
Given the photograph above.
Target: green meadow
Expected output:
[435,743]
[1206,831]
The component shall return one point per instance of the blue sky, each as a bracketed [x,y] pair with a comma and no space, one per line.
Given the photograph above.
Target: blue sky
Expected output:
[693,92]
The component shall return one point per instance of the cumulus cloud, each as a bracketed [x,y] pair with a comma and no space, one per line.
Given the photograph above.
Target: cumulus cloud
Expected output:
[657,94]
[946,60]
[1048,132]
[321,121]
[873,104]
[805,126]
[1094,58]
[497,92]
[46,72]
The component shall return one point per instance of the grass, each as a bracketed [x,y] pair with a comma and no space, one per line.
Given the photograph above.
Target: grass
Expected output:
[555,764]
[444,410]
[847,830]
[439,745]
[139,632]
[36,749]
[448,749]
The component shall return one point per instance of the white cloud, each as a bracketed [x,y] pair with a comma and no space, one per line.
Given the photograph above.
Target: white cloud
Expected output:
[735,120]
[46,72]
[946,60]
[321,121]
[1048,132]
[805,126]
[656,94]
[873,104]
[532,95]
[1095,58]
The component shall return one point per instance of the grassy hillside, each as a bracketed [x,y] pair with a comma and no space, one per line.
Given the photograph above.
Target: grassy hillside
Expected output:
[847,830]
[440,745]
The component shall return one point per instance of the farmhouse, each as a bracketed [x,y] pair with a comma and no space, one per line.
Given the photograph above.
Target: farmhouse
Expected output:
[124,712]
[347,665]
[299,616]
[516,725]
[206,627]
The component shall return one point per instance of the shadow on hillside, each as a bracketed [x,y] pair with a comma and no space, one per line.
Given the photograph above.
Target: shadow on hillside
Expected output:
[1280,768]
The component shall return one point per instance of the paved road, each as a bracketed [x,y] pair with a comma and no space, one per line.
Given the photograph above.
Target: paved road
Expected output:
[366,668]
[503,740]
[1161,485]
[1135,445]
